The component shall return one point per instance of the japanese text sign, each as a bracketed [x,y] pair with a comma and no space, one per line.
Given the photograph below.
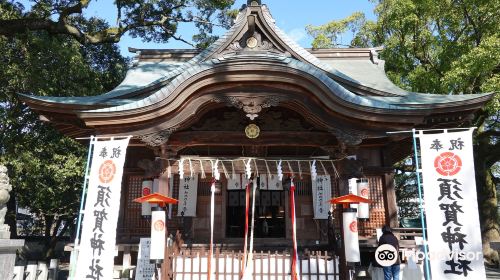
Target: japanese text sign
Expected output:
[97,246]
[455,249]
[321,190]
[188,191]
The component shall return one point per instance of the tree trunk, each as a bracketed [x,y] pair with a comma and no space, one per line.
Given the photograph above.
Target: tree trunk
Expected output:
[50,246]
[11,217]
[488,204]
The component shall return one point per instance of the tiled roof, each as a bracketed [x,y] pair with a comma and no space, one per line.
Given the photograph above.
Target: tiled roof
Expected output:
[149,81]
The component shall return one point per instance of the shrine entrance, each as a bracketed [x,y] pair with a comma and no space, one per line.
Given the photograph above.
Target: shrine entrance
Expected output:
[269,214]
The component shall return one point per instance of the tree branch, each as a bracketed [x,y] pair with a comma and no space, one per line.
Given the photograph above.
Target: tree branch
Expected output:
[178,38]
[75,9]
[477,33]
[11,27]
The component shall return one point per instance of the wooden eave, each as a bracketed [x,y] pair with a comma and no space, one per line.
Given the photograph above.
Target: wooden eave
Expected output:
[299,92]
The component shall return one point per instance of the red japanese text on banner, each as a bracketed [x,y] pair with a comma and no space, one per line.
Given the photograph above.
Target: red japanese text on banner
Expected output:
[455,249]
[97,247]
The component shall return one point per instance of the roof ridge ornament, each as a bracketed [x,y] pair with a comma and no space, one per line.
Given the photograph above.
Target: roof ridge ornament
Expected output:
[254,2]
[252,106]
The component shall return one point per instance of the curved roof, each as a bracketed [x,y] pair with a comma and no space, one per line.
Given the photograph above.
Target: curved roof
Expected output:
[353,76]
[334,87]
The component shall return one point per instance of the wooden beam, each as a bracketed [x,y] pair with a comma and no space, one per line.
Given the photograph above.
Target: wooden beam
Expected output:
[237,138]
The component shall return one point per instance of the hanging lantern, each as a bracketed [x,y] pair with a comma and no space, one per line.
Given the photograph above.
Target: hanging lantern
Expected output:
[158,229]
[351,240]
[353,189]
[147,189]
[363,191]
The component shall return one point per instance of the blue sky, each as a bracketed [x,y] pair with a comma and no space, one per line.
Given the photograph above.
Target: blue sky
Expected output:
[291,16]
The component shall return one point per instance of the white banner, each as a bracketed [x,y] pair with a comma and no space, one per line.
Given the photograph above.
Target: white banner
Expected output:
[263,182]
[321,191]
[158,230]
[453,226]
[234,182]
[188,191]
[97,246]
[274,183]
[145,270]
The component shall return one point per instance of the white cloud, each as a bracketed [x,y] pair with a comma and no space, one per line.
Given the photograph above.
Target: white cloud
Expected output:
[297,34]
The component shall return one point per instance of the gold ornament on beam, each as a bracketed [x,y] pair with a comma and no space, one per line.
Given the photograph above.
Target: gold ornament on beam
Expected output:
[252,131]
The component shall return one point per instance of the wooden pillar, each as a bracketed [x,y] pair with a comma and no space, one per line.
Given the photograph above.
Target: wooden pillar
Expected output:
[390,203]
[164,189]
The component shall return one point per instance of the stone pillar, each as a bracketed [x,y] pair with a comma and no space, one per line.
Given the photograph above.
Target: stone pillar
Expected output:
[53,269]
[8,247]
[5,188]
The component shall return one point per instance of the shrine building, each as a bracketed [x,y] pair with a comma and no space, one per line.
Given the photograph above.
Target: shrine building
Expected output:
[257,96]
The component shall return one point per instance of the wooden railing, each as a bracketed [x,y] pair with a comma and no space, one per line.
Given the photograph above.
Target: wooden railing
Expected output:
[191,265]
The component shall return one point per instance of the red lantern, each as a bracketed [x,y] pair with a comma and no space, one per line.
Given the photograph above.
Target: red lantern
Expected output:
[147,189]
[363,191]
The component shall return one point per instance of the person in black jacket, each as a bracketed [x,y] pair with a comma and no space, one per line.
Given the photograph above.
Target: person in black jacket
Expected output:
[390,272]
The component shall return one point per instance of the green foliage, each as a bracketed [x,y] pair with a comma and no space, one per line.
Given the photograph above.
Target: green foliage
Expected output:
[330,35]
[51,49]
[406,189]
[152,21]
[46,168]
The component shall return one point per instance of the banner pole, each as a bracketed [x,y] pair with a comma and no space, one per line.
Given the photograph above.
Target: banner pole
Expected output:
[74,255]
[212,210]
[294,269]
[247,207]
[424,235]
